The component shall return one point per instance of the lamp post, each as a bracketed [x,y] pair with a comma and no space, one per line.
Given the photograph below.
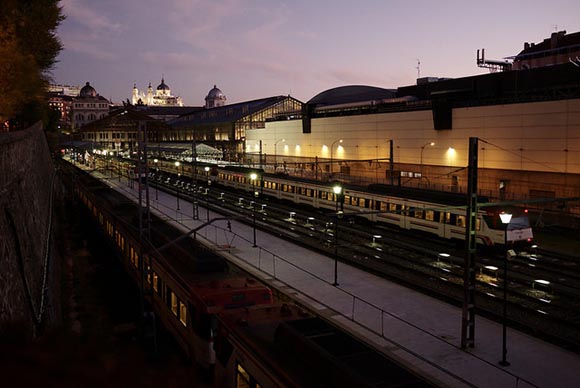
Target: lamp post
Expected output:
[253,177]
[505,219]
[430,144]
[276,152]
[156,173]
[331,149]
[337,189]
[177,164]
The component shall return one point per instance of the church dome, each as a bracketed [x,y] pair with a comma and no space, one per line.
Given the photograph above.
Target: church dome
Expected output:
[215,93]
[162,85]
[88,91]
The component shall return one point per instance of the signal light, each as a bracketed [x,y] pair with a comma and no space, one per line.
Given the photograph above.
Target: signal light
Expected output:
[526,211]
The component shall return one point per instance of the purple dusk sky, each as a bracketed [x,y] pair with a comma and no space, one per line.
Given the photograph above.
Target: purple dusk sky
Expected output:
[260,48]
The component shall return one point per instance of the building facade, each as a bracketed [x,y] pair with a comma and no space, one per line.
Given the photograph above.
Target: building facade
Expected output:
[225,127]
[87,107]
[161,97]
[527,124]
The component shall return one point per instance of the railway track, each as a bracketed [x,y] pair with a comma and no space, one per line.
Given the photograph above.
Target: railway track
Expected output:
[543,287]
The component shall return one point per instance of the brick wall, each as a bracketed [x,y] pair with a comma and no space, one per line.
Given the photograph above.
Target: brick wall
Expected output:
[26,173]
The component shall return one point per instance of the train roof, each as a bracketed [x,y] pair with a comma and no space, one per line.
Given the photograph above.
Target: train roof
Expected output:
[309,352]
[231,291]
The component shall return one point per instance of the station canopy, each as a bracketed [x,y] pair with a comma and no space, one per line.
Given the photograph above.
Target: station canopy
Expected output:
[184,150]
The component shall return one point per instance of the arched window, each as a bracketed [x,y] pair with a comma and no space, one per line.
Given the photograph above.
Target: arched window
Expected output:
[92,116]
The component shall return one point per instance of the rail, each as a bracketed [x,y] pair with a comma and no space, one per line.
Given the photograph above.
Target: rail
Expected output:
[350,306]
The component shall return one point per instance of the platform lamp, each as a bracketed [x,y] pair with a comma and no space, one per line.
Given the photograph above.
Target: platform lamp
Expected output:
[430,144]
[337,189]
[253,177]
[177,164]
[505,219]
[156,161]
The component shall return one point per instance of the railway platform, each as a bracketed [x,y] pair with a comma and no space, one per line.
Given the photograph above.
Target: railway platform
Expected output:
[416,330]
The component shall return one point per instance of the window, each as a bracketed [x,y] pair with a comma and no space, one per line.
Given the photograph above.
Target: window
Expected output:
[182,313]
[244,379]
[155,282]
[172,299]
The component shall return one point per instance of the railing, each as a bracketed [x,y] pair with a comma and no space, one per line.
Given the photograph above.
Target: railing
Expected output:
[348,305]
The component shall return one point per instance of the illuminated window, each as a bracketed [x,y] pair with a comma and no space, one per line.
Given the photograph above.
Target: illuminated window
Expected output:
[182,314]
[173,299]
[461,221]
[155,282]
[429,215]
[419,214]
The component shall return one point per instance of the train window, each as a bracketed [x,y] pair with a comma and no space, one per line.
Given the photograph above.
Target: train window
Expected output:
[418,214]
[451,218]
[309,192]
[173,302]
[244,379]
[393,207]
[460,221]
[477,224]
[324,194]
[134,257]
[156,282]
[347,199]
[382,206]
[182,314]
[429,215]
[148,274]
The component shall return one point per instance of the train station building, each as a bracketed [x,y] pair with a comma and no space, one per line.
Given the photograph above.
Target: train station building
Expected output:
[527,123]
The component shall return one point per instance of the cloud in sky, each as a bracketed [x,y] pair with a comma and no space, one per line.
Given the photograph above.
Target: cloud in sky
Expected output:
[259,48]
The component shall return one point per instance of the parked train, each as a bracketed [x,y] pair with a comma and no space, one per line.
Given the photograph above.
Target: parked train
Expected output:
[207,309]
[187,286]
[433,212]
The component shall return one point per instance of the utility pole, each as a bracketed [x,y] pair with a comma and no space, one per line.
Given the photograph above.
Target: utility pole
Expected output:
[468,312]
[145,268]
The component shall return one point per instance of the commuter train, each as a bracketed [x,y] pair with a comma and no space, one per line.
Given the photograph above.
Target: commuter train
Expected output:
[207,309]
[433,212]
[187,286]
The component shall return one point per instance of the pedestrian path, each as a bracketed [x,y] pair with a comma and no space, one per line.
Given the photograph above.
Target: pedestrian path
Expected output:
[419,331]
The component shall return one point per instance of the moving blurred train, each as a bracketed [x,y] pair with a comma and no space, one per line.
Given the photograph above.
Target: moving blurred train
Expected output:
[434,212]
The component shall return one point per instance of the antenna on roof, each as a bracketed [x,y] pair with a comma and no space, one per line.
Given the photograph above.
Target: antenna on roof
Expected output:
[418,68]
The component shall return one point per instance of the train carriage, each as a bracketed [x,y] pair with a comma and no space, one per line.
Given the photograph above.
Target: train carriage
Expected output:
[185,290]
[438,213]
[284,346]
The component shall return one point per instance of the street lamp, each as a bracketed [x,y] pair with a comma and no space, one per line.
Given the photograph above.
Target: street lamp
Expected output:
[337,189]
[505,219]
[177,164]
[156,176]
[430,144]
[253,177]
[331,149]
[276,152]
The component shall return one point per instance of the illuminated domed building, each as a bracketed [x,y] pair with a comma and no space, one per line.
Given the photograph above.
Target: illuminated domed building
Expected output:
[88,106]
[162,96]
[215,98]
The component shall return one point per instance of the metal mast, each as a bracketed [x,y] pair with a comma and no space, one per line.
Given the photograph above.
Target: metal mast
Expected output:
[468,313]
